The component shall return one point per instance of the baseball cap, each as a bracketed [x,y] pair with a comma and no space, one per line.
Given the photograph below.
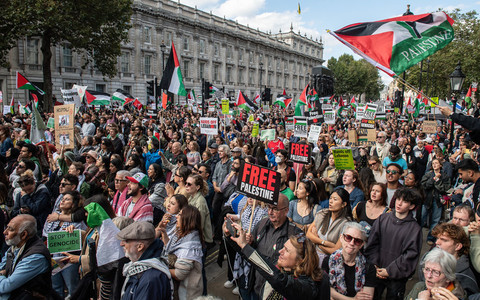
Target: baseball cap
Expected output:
[213,146]
[139,178]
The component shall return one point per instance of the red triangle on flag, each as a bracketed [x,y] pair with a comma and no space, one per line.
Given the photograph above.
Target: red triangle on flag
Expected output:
[89,97]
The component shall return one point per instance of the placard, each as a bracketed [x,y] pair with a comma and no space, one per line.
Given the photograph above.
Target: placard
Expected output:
[435,102]
[369,124]
[314,134]
[225,106]
[266,108]
[300,153]
[71,96]
[259,182]
[267,135]
[51,123]
[429,126]
[64,125]
[370,111]
[329,115]
[366,137]
[209,126]
[315,117]
[343,158]
[63,241]
[300,126]
[352,137]
[255,129]
[289,123]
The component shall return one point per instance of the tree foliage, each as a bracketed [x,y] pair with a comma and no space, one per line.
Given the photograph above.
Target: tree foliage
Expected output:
[355,77]
[464,48]
[93,28]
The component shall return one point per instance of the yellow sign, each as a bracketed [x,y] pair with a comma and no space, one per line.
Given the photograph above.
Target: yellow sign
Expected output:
[435,101]
[343,158]
[225,107]
[255,130]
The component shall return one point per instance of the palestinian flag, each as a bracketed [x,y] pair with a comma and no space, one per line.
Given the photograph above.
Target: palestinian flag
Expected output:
[416,106]
[109,250]
[138,105]
[353,103]
[12,106]
[37,128]
[394,45]
[468,98]
[24,84]
[257,99]
[123,96]
[97,98]
[34,98]
[283,102]
[242,102]
[302,101]
[172,79]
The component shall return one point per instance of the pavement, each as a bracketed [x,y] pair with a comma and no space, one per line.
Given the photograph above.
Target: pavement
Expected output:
[217,276]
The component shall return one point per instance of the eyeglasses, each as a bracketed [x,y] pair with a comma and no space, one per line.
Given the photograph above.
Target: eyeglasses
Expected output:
[309,177]
[64,184]
[188,184]
[372,164]
[275,209]
[380,136]
[393,172]
[356,241]
[435,273]
[119,180]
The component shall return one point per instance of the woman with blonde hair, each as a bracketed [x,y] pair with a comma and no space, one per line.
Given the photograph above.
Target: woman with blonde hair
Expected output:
[196,189]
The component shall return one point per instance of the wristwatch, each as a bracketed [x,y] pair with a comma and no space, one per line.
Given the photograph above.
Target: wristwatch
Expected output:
[322,243]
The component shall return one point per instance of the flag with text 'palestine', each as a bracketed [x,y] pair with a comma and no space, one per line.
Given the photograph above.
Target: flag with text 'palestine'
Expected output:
[394,45]
[24,84]
[97,98]
[172,79]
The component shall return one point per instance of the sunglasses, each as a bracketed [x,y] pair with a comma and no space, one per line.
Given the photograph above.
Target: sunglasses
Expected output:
[348,238]
[393,172]
[188,184]
[371,165]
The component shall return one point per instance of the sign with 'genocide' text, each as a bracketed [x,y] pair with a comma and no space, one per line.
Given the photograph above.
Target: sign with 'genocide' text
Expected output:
[63,241]
[209,126]
[300,153]
[258,182]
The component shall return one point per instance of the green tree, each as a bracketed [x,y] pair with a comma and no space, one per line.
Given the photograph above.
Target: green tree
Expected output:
[355,77]
[464,48]
[93,28]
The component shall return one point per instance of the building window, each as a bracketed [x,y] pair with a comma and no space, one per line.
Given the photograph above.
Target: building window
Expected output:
[269,80]
[301,47]
[294,83]
[125,62]
[278,81]
[285,65]
[202,46]
[278,65]
[270,61]
[260,58]
[147,34]
[32,51]
[240,75]
[240,54]
[294,45]
[100,88]
[251,60]
[67,56]
[127,88]
[186,43]
[216,49]
[250,77]
[307,50]
[285,82]
[201,70]
[148,64]
[186,68]
[216,73]
[229,52]
[168,38]
[229,74]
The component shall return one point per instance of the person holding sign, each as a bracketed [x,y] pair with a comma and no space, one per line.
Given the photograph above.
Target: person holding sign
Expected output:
[68,273]
[280,163]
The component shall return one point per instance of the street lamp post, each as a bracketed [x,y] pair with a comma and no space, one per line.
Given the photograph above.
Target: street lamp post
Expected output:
[261,71]
[162,48]
[456,81]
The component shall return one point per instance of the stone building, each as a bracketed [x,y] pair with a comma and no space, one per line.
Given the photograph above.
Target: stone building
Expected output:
[221,51]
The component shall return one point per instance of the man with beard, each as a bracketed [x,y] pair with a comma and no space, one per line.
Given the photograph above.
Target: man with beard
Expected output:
[25,268]
[137,207]
[147,277]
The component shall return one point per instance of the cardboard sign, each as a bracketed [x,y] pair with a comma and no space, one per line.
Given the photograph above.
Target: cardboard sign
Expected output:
[209,126]
[300,126]
[369,124]
[315,117]
[266,108]
[366,137]
[352,137]
[370,111]
[255,129]
[429,126]
[267,135]
[64,124]
[314,134]
[381,114]
[62,241]
[329,116]
[225,106]
[300,153]
[343,158]
[259,182]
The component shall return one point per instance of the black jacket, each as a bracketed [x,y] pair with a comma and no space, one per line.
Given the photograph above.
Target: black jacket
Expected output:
[470,123]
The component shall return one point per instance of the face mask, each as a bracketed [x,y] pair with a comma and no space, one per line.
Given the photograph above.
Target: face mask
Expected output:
[278,159]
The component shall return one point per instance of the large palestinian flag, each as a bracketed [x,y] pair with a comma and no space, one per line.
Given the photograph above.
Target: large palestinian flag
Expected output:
[24,84]
[172,79]
[394,45]
[123,96]
[97,98]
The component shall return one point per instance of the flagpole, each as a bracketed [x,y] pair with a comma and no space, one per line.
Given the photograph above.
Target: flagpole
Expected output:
[405,83]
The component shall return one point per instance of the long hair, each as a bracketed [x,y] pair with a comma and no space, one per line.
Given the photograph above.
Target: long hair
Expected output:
[190,220]
[184,172]
[199,181]
[308,259]
[345,213]
[77,200]
[312,197]
[384,194]
[182,201]
[159,176]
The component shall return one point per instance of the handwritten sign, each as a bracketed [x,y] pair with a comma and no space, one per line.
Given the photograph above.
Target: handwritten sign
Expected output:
[429,126]
[300,126]
[225,106]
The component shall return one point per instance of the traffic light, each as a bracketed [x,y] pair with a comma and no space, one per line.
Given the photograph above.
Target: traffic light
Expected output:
[398,99]
[207,86]
[266,95]
[151,88]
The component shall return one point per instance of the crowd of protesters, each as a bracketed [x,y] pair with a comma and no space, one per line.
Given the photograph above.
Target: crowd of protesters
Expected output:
[153,196]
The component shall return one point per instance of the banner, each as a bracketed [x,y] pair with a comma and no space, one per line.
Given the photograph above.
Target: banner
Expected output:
[209,126]
[370,111]
[343,158]
[259,183]
[315,116]
[267,135]
[314,134]
[63,241]
[225,106]
[71,97]
[289,123]
[64,125]
[81,89]
[255,129]
[300,126]
[369,124]
[300,153]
